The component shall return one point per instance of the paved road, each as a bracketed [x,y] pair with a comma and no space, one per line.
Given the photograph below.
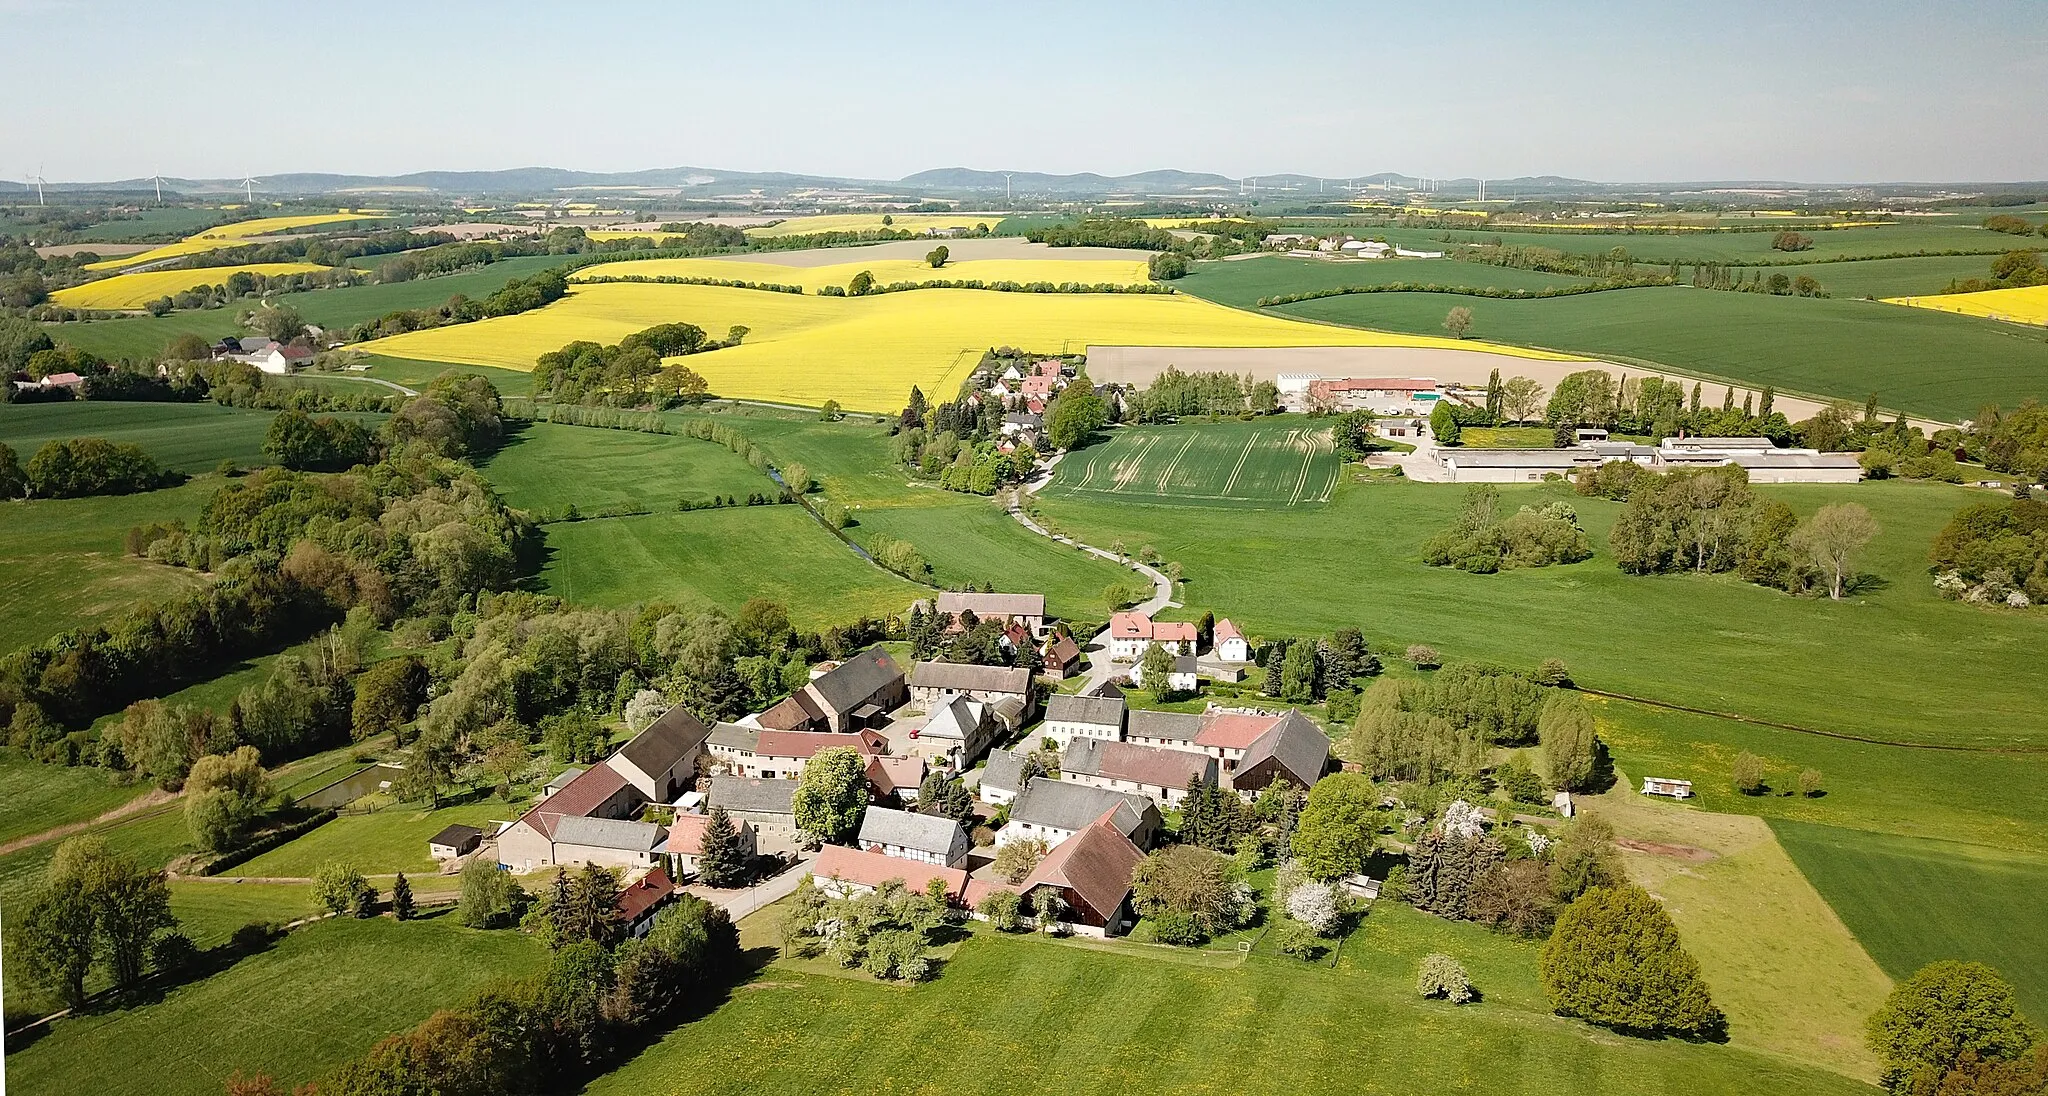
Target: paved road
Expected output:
[1100,669]
[738,904]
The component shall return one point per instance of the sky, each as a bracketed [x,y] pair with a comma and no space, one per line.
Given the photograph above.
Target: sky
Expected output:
[1650,91]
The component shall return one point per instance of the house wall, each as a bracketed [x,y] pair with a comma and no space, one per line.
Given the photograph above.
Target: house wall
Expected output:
[954,858]
[996,796]
[611,858]
[1162,796]
[524,848]
[923,694]
[1065,732]
[1024,831]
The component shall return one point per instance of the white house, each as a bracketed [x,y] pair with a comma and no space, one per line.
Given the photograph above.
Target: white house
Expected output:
[959,729]
[1230,643]
[1069,717]
[1130,633]
[1002,778]
[1183,677]
[924,838]
[662,760]
[1054,810]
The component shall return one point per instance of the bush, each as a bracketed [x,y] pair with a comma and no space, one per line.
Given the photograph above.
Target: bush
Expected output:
[1179,929]
[1004,910]
[172,954]
[1552,673]
[339,888]
[1443,977]
[1300,941]
[1748,773]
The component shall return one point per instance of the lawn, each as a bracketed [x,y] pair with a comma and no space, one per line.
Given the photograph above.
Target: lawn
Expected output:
[1507,437]
[1790,976]
[1241,282]
[1025,1014]
[181,437]
[35,797]
[321,996]
[1950,673]
[1285,461]
[393,839]
[1912,901]
[1925,362]
[720,557]
[62,562]
[142,336]
[867,352]
[546,468]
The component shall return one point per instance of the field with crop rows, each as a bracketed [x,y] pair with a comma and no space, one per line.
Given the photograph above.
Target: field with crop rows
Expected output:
[885,272]
[213,239]
[1282,461]
[136,290]
[872,222]
[2027,306]
[1664,247]
[866,352]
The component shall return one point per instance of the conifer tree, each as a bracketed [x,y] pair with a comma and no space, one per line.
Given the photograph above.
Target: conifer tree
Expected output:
[1615,960]
[401,898]
[720,862]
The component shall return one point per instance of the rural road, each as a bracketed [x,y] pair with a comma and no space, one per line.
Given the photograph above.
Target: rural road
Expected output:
[1100,669]
[738,904]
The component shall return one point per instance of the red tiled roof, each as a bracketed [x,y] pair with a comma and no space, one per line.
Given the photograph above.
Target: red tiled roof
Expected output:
[1226,630]
[577,798]
[62,380]
[1047,369]
[295,353]
[1167,631]
[978,889]
[874,869]
[803,744]
[649,892]
[1234,732]
[1095,864]
[798,710]
[890,774]
[1129,626]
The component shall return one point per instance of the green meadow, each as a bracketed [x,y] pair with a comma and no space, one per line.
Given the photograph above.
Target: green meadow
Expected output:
[546,468]
[62,562]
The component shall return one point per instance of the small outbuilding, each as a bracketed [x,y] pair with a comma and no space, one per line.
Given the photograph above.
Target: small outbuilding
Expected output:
[1676,789]
[454,841]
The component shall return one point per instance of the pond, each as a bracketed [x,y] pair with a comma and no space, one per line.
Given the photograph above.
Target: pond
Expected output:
[354,786]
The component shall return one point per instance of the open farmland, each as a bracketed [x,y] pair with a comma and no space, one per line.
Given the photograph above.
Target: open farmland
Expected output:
[180,437]
[62,562]
[1089,1019]
[1711,642]
[230,235]
[2022,306]
[546,468]
[320,996]
[1242,282]
[872,222]
[1721,247]
[1285,461]
[1912,901]
[131,291]
[885,272]
[1942,367]
[866,352]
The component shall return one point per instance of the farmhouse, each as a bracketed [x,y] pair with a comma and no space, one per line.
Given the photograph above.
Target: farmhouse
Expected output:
[925,838]
[599,792]
[771,755]
[932,682]
[1054,810]
[1002,778]
[1293,750]
[1130,633]
[614,842]
[1229,643]
[661,760]
[1068,717]
[686,842]
[1092,872]
[1381,395]
[764,803]
[1183,676]
[641,900]
[454,841]
[1026,609]
[842,872]
[959,729]
[1061,656]
[896,779]
[1157,773]
[856,693]
[1251,749]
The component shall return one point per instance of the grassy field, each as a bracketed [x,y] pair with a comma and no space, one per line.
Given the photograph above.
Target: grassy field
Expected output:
[142,336]
[2018,306]
[181,437]
[1508,437]
[865,352]
[1944,366]
[1858,243]
[1285,461]
[416,374]
[156,221]
[1913,901]
[62,563]
[1890,277]
[390,840]
[1793,980]
[1998,799]
[321,996]
[1030,1015]
[35,797]
[1712,642]
[721,557]
[131,291]
[545,468]
[885,272]
[1241,282]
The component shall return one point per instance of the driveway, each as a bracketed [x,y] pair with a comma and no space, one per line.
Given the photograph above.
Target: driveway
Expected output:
[739,903]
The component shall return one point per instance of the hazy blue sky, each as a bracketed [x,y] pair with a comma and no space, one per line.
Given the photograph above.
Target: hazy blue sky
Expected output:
[1815,90]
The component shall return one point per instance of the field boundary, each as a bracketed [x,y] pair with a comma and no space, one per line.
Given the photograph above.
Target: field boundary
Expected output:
[1944,747]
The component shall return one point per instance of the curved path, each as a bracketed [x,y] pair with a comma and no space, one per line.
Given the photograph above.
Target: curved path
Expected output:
[1100,669]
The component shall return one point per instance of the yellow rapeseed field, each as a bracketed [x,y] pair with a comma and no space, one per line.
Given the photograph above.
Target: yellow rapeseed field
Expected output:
[866,352]
[885,272]
[136,290]
[869,222]
[213,239]
[2029,305]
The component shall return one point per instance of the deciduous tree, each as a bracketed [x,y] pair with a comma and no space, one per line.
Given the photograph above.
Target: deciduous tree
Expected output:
[831,794]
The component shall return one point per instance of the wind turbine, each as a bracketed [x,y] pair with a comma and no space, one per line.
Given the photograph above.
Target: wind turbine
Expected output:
[249,188]
[1007,200]
[159,189]
[39,185]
